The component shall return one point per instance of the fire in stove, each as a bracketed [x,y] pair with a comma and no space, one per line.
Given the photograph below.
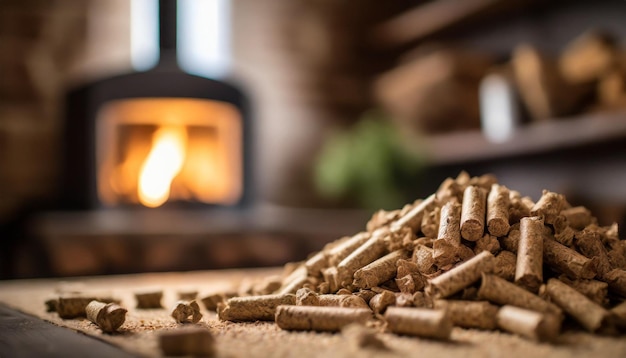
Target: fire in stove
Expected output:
[154,150]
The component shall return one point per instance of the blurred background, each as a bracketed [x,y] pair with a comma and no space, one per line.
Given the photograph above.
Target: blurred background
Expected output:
[332,109]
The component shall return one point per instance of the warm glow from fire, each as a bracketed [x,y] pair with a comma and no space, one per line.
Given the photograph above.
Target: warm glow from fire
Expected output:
[162,165]
[153,151]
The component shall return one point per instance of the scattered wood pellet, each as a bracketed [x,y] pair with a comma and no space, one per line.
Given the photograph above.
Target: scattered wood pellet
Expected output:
[529,266]
[498,210]
[186,312]
[310,318]
[595,290]
[149,299]
[211,301]
[469,314]
[502,292]
[73,306]
[192,341]
[253,308]
[530,324]
[379,271]
[565,260]
[381,301]
[461,276]
[473,213]
[419,322]
[187,295]
[446,247]
[371,250]
[578,217]
[413,219]
[108,316]
[549,206]
[590,315]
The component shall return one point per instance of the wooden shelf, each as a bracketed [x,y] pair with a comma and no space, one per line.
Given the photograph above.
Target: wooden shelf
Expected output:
[536,138]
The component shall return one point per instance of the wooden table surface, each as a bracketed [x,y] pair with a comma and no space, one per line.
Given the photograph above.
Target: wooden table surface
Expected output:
[20,333]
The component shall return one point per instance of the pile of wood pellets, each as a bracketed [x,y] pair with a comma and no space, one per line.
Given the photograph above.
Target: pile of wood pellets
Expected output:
[475,254]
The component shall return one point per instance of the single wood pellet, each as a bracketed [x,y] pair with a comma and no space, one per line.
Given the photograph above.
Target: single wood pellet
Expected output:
[192,341]
[150,299]
[186,312]
[253,308]
[461,276]
[498,203]
[379,271]
[589,243]
[548,206]
[530,324]
[108,316]
[473,213]
[565,260]
[311,318]
[73,306]
[371,250]
[413,219]
[419,322]
[589,314]
[578,217]
[381,301]
[446,247]
[502,292]
[529,266]
[342,250]
[469,314]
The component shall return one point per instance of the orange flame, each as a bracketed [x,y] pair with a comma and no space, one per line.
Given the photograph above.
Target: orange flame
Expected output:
[163,164]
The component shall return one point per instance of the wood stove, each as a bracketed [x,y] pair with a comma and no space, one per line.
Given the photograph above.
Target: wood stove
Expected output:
[161,138]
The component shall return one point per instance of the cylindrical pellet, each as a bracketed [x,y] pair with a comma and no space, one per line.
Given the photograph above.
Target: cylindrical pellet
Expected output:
[497,290]
[473,213]
[293,281]
[430,222]
[253,308]
[498,210]
[529,267]
[413,219]
[379,271]
[371,250]
[589,243]
[589,314]
[565,260]
[578,217]
[311,318]
[446,246]
[381,301]
[341,251]
[421,322]
[316,263]
[196,342]
[150,299]
[469,314]
[530,324]
[186,312]
[461,276]
[108,316]
[549,206]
